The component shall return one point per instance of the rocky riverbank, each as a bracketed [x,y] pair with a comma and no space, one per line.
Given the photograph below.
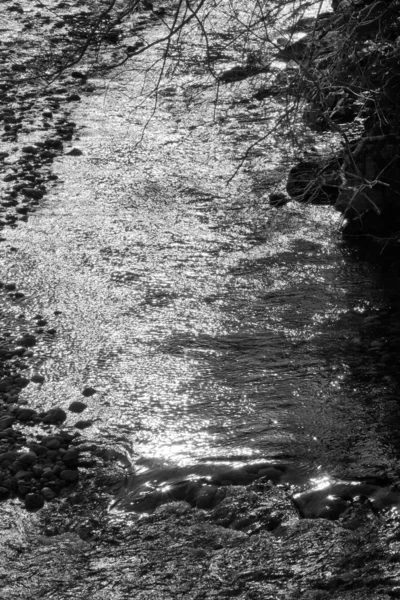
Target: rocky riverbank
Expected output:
[349,64]
[39,87]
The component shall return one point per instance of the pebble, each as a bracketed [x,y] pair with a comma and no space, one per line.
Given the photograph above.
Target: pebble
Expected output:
[37,449]
[48,154]
[70,458]
[26,414]
[6,422]
[23,488]
[29,149]
[77,407]
[74,152]
[37,378]
[27,458]
[23,475]
[83,424]
[69,475]
[73,98]
[52,443]
[54,415]
[88,391]
[21,382]
[7,458]
[47,493]
[32,193]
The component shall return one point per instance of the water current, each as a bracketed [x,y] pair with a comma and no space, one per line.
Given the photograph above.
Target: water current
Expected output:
[218,331]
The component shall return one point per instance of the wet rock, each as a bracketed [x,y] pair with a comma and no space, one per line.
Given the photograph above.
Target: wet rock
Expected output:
[18,350]
[34,501]
[88,391]
[54,415]
[32,193]
[47,493]
[26,414]
[192,491]
[56,144]
[238,73]
[49,154]
[6,422]
[179,490]
[78,75]
[70,458]
[74,152]
[77,407]
[73,98]
[27,458]
[23,475]
[83,424]
[37,470]
[30,149]
[21,382]
[205,496]
[69,475]
[27,341]
[51,443]
[7,458]
[37,378]
[23,488]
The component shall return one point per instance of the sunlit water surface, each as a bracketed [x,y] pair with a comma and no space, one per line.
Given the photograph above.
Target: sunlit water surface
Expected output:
[216,329]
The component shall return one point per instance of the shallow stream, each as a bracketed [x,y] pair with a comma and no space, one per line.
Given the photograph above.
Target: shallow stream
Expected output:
[218,331]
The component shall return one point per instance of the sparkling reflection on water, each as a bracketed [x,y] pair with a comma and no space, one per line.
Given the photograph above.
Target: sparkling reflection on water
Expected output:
[215,328]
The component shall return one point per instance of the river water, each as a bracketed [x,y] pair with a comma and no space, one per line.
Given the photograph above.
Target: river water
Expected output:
[218,332]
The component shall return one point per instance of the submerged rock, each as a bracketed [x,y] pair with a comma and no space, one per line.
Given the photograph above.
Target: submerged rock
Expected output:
[27,341]
[88,391]
[77,407]
[74,152]
[55,415]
